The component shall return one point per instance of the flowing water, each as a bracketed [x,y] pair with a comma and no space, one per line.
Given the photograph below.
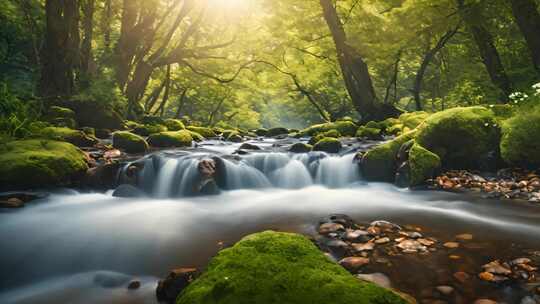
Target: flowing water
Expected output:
[85,247]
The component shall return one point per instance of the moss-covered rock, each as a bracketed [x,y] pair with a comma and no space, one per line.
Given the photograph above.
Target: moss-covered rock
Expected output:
[61,117]
[502,112]
[206,132]
[153,120]
[146,130]
[423,165]
[331,133]
[232,135]
[328,144]
[300,148]
[272,267]
[345,128]
[174,124]
[89,131]
[369,133]
[76,137]
[277,132]
[196,136]
[96,114]
[463,138]
[261,132]
[520,143]
[40,163]
[129,142]
[379,164]
[171,139]
[413,119]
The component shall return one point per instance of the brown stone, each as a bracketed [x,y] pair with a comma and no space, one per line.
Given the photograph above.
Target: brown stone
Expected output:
[328,228]
[461,276]
[464,237]
[12,202]
[168,290]
[484,301]
[353,264]
[363,247]
[487,276]
[495,267]
[451,245]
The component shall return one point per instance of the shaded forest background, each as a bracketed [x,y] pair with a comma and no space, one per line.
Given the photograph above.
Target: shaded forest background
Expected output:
[253,63]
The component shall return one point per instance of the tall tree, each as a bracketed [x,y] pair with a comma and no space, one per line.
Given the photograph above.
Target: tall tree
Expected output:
[528,19]
[60,56]
[87,60]
[473,17]
[354,70]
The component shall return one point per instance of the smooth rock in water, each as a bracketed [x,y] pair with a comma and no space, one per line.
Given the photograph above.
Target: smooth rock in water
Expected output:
[379,279]
[426,242]
[357,236]
[134,285]
[168,290]
[445,290]
[128,191]
[353,264]
[12,202]
[461,276]
[385,225]
[300,148]
[484,301]
[411,246]
[207,168]
[327,228]
[363,247]
[381,241]
[451,245]
[248,146]
[495,267]
[464,237]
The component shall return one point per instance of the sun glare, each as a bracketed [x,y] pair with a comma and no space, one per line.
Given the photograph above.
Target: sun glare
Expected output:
[229,4]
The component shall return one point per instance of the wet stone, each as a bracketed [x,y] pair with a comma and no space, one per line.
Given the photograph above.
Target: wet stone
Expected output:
[134,285]
[495,267]
[411,246]
[353,264]
[327,228]
[376,278]
[382,241]
[464,237]
[357,236]
[445,290]
[461,276]
[451,245]
[363,247]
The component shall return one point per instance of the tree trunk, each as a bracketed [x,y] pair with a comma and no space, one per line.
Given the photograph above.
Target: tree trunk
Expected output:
[161,108]
[181,104]
[428,57]
[106,24]
[528,19]
[393,80]
[484,40]
[87,59]
[355,71]
[60,54]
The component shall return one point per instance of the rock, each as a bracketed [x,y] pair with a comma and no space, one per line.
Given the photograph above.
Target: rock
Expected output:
[129,142]
[248,146]
[423,165]
[178,279]
[495,267]
[174,124]
[379,279]
[329,145]
[146,130]
[205,132]
[40,163]
[261,132]
[369,133]
[426,242]
[277,131]
[484,301]
[61,117]
[171,139]
[331,134]
[411,246]
[75,137]
[520,141]
[11,202]
[288,268]
[464,237]
[128,191]
[102,177]
[382,241]
[363,247]
[451,245]
[300,148]
[103,133]
[461,276]
[353,264]
[134,285]
[357,236]
[345,128]
[207,168]
[330,227]
[445,290]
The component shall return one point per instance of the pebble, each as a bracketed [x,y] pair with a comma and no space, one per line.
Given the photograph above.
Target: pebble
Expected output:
[464,237]
[487,276]
[484,301]
[411,246]
[353,264]
[495,267]
[357,235]
[363,247]
[12,202]
[445,290]
[377,278]
[384,240]
[461,276]
[451,245]
[134,285]
[426,242]
[454,257]
[328,228]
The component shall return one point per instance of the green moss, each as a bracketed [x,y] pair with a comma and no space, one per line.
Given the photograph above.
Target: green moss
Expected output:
[153,120]
[196,136]
[89,131]
[40,163]
[328,144]
[345,128]
[423,165]
[277,131]
[502,112]
[206,132]
[61,117]
[129,142]
[331,133]
[232,135]
[520,143]
[132,124]
[396,129]
[300,148]
[413,119]
[171,139]
[174,124]
[146,130]
[379,163]
[76,137]
[369,133]
[463,137]
[272,267]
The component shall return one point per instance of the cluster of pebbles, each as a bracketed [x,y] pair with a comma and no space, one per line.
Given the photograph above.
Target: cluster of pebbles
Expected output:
[507,183]
[361,248]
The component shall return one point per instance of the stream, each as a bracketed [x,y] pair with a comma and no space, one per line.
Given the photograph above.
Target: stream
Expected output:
[76,247]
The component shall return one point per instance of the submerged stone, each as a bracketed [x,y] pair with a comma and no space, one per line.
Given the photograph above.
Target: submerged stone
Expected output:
[273,267]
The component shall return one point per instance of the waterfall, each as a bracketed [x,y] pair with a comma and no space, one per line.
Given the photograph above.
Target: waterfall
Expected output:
[165,175]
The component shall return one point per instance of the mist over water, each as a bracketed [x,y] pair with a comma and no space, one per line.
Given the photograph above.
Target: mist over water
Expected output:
[85,248]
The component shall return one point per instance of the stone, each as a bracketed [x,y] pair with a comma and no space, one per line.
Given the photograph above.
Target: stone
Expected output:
[464,237]
[484,301]
[445,290]
[353,264]
[451,245]
[328,145]
[177,280]
[411,246]
[487,276]
[363,247]
[495,267]
[134,285]
[357,236]
[377,278]
[300,148]
[382,241]
[12,202]
[327,228]
[461,276]
[129,142]
[171,139]
[248,146]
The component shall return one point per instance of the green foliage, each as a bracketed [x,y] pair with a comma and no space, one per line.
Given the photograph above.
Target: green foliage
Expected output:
[129,142]
[520,144]
[273,267]
[31,163]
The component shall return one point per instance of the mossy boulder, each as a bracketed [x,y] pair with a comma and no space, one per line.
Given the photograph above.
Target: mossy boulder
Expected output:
[464,138]
[502,112]
[196,136]
[277,132]
[369,133]
[153,120]
[40,163]
[61,117]
[423,165]
[233,136]
[76,137]
[520,143]
[300,148]
[413,119]
[345,128]
[273,267]
[89,131]
[174,124]
[129,142]
[171,139]
[328,145]
[261,132]
[206,132]
[146,130]
[379,163]
[331,133]
[96,114]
